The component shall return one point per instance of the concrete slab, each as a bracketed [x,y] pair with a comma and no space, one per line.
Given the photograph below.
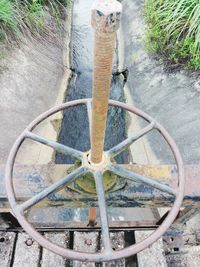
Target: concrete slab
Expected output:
[118,243]
[190,257]
[49,259]
[7,243]
[152,256]
[85,242]
[27,252]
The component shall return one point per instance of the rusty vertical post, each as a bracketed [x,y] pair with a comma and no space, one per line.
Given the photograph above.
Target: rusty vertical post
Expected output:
[105,20]
[92,217]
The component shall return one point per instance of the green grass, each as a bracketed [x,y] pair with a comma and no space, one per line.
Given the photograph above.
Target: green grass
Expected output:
[19,17]
[8,19]
[174,30]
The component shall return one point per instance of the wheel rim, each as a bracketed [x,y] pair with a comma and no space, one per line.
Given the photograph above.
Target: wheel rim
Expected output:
[105,255]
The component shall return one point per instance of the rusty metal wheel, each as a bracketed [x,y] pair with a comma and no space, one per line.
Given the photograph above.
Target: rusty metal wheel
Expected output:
[97,170]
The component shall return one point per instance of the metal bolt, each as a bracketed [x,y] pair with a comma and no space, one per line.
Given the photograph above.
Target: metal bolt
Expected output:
[29,242]
[88,242]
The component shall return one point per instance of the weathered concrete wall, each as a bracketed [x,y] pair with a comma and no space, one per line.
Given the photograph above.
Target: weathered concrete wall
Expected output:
[32,79]
[171,98]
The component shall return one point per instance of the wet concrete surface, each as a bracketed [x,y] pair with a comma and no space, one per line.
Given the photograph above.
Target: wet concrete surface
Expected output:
[173,99]
[75,128]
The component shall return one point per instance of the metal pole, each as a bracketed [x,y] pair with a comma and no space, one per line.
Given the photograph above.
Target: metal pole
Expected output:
[92,217]
[105,20]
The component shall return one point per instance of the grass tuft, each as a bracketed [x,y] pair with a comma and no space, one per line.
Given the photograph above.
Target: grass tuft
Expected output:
[174,30]
[24,17]
[8,19]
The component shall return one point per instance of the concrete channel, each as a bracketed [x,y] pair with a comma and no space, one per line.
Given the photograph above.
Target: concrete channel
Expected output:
[74,126]
[74,129]
[148,87]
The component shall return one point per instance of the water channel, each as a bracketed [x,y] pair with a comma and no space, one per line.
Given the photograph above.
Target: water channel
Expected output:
[75,128]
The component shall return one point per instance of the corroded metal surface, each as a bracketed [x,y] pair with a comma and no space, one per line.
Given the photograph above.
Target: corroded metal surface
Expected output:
[105,20]
[97,170]
[30,179]
[106,16]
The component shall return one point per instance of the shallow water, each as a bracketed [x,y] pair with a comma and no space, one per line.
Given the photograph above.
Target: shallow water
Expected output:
[75,128]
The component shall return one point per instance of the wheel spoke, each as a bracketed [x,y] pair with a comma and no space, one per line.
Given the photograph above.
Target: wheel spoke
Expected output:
[103,212]
[89,111]
[138,177]
[54,187]
[58,147]
[130,140]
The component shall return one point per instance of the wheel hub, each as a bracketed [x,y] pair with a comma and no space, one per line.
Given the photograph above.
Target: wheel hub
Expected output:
[94,167]
[86,183]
